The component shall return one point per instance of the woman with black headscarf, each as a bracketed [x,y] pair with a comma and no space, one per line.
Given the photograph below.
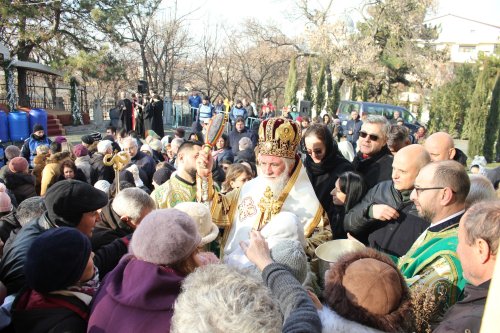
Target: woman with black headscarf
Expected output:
[324,163]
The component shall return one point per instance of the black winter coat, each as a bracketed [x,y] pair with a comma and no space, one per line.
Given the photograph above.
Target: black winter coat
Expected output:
[323,176]
[235,136]
[8,223]
[393,237]
[70,315]
[466,315]
[375,169]
[22,185]
[101,171]
[13,260]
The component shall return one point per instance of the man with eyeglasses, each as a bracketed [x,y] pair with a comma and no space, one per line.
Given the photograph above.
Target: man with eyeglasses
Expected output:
[374,159]
[386,218]
[432,263]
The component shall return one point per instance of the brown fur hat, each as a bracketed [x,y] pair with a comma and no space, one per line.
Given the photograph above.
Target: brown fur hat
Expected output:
[366,287]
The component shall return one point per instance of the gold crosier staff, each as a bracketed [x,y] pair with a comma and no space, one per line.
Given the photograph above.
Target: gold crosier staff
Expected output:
[118,160]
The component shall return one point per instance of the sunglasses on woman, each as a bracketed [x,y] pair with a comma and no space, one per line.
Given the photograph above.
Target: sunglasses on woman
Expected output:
[372,137]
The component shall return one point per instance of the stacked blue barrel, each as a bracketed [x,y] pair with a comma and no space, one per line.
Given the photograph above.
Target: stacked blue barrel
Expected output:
[18,124]
[4,127]
[38,116]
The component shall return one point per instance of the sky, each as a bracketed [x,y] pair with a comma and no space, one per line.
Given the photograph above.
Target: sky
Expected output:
[283,13]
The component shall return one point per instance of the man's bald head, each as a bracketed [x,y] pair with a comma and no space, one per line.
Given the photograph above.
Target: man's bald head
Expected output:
[406,165]
[440,146]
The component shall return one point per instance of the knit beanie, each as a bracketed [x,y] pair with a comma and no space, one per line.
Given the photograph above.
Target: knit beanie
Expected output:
[201,215]
[284,225]
[56,259]
[162,175]
[67,200]
[291,253]
[87,139]
[38,127]
[5,202]
[60,139]
[165,236]
[80,150]
[18,164]
[96,136]
[147,149]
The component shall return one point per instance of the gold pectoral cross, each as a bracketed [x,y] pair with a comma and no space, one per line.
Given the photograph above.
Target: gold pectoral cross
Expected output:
[268,208]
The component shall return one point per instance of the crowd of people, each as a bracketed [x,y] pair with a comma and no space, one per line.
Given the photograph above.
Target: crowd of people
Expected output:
[144,232]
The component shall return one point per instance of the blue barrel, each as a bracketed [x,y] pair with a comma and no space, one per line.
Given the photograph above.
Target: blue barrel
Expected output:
[19,126]
[4,127]
[38,116]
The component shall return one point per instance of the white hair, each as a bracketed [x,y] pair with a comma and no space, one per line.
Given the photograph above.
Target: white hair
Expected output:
[385,125]
[103,146]
[244,143]
[129,140]
[176,143]
[232,301]
[131,202]
[481,189]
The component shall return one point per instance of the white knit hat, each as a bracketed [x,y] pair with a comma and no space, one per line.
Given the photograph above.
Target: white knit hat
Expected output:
[147,149]
[201,215]
[291,253]
[284,225]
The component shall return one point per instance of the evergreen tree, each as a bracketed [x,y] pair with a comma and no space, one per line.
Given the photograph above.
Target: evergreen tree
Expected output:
[309,83]
[497,147]
[320,90]
[492,120]
[478,113]
[354,92]
[291,84]
[334,99]
[336,91]
[450,103]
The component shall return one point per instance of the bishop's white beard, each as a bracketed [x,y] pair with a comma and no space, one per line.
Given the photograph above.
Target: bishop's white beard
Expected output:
[276,184]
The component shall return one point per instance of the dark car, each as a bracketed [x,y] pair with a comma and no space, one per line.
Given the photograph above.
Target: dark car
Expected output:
[386,110]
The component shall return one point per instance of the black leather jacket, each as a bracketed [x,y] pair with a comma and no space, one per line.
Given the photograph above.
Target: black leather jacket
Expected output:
[394,237]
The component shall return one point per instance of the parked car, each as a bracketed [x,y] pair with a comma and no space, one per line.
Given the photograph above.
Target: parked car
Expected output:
[386,110]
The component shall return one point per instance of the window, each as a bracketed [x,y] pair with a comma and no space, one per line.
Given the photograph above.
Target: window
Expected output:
[466,48]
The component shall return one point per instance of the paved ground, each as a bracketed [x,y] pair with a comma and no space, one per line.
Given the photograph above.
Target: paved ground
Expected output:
[74,133]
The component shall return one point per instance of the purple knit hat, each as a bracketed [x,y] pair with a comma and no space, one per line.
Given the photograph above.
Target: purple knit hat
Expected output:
[165,236]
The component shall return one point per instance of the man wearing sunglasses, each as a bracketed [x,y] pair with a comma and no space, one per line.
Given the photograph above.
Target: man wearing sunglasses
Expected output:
[374,159]
[432,263]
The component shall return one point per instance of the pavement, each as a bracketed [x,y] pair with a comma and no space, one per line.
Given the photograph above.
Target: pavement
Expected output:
[74,133]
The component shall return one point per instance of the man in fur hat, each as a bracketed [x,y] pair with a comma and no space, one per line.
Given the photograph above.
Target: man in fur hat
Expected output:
[282,185]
